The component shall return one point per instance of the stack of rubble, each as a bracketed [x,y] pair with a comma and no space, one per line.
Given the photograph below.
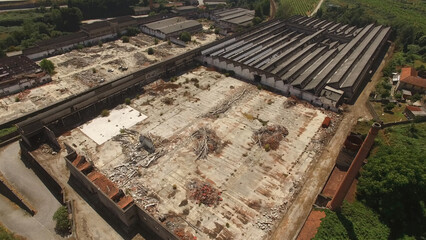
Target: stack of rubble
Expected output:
[204,193]
[269,137]
[206,141]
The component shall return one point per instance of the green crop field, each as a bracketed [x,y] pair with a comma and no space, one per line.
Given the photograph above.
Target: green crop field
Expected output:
[301,7]
[389,12]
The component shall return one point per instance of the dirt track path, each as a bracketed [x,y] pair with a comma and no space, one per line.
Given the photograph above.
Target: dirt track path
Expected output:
[293,221]
[316,8]
[272,9]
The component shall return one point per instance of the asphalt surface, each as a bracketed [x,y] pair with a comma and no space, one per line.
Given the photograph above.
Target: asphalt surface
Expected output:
[34,191]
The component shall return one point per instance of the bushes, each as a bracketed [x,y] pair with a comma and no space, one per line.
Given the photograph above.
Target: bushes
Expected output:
[393,181]
[150,51]
[63,224]
[355,221]
[185,36]
[47,66]
[127,101]
[105,113]
[125,39]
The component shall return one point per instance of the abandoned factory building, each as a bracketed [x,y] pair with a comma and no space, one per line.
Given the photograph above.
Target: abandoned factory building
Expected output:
[316,60]
[18,73]
[232,19]
[171,27]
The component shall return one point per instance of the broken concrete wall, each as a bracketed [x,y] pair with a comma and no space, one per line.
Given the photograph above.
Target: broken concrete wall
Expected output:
[51,183]
[129,218]
[126,218]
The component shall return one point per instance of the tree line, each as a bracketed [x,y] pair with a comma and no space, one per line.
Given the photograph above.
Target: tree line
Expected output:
[103,8]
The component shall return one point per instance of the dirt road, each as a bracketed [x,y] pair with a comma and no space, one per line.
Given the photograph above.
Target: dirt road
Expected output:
[272,9]
[293,221]
[316,8]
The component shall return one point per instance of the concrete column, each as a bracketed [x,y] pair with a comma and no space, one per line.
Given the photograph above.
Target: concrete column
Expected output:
[351,174]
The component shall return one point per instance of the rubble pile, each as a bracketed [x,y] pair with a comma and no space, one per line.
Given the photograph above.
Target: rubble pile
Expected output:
[269,137]
[140,58]
[88,78]
[77,62]
[204,193]
[291,102]
[184,235]
[133,148]
[267,218]
[45,148]
[206,141]
[224,106]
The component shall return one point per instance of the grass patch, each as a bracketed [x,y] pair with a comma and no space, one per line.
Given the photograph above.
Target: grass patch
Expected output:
[6,131]
[362,127]
[396,115]
[8,235]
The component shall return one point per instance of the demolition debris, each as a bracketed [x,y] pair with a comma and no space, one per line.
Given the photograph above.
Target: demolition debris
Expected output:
[206,141]
[269,137]
[204,193]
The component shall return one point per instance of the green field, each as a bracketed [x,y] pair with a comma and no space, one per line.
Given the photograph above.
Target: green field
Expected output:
[391,12]
[301,7]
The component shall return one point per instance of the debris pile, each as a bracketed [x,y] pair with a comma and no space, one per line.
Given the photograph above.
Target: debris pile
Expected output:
[224,106]
[291,102]
[204,193]
[269,137]
[206,141]
[134,151]
[45,148]
[267,218]
[184,235]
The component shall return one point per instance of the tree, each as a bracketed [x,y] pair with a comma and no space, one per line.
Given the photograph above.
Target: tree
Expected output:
[125,39]
[150,51]
[416,97]
[103,8]
[185,36]
[393,181]
[47,66]
[385,94]
[389,107]
[354,221]
[398,95]
[256,20]
[63,224]
[71,19]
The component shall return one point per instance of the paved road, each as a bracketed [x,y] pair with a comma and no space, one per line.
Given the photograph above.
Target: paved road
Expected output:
[32,188]
[293,221]
[20,222]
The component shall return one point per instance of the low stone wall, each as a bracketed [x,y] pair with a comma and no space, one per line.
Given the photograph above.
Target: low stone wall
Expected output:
[51,183]
[8,191]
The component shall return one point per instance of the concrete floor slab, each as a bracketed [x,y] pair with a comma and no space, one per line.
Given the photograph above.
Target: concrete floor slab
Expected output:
[102,129]
[257,186]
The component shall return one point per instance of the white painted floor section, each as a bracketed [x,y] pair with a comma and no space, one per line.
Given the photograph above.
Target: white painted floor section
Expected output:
[102,129]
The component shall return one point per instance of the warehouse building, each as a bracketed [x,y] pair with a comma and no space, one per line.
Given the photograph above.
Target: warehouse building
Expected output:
[315,60]
[18,73]
[234,18]
[171,27]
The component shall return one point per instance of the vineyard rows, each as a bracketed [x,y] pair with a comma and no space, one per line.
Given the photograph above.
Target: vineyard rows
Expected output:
[302,7]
